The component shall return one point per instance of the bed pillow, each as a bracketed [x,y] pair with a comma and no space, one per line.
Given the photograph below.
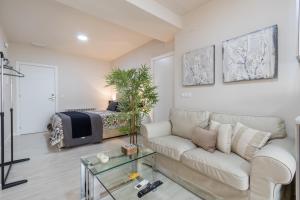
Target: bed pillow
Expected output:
[205,139]
[112,106]
[225,132]
[247,141]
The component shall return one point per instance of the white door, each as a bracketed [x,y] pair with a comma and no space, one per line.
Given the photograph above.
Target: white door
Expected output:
[163,72]
[36,97]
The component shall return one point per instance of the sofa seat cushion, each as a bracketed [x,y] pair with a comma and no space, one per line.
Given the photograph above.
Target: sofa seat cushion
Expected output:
[171,146]
[229,169]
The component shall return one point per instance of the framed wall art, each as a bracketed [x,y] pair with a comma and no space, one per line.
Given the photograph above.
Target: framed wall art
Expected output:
[252,56]
[199,67]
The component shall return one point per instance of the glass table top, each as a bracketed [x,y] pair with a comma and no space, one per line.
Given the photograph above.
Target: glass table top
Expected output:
[117,181]
[116,159]
[119,186]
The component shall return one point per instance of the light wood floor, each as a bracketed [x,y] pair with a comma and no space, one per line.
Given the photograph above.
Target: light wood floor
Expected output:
[55,175]
[52,175]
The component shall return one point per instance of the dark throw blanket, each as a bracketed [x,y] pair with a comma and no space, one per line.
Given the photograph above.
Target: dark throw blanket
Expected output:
[81,124]
[93,132]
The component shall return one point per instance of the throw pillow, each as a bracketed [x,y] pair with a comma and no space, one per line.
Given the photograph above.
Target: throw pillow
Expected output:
[247,141]
[214,125]
[224,136]
[205,139]
[112,106]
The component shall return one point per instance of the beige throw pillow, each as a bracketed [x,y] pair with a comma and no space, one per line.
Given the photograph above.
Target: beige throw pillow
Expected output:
[224,135]
[205,139]
[247,141]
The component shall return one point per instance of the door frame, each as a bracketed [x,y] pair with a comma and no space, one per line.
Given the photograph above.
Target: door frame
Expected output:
[171,53]
[17,99]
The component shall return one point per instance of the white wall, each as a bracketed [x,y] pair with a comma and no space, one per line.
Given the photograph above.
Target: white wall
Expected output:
[81,80]
[219,20]
[143,55]
[3,39]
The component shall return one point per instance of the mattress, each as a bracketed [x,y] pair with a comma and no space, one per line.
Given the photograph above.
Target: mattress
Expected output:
[60,134]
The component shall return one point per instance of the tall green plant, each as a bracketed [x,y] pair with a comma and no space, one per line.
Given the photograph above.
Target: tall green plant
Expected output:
[136,96]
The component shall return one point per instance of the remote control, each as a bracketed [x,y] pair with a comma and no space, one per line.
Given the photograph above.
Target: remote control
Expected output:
[141,184]
[149,188]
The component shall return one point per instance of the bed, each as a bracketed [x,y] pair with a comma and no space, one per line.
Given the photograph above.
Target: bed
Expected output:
[74,128]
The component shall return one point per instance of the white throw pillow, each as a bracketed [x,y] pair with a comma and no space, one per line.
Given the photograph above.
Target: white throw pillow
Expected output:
[247,141]
[224,135]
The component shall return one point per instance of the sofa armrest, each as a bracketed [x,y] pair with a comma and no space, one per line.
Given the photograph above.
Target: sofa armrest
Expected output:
[272,165]
[158,129]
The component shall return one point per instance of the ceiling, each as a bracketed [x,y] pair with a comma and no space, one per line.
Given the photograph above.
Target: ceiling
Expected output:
[52,24]
[114,27]
[146,17]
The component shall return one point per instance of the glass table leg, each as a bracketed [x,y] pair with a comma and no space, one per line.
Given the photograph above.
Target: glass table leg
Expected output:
[97,189]
[90,185]
[83,191]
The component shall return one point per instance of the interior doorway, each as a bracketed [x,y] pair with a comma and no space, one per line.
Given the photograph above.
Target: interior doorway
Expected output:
[163,73]
[35,97]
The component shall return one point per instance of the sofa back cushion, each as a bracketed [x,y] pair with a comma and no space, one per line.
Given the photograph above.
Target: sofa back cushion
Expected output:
[184,122]
[274,125]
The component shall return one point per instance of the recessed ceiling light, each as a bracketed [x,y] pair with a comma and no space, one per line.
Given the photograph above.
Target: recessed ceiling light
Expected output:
[82,37]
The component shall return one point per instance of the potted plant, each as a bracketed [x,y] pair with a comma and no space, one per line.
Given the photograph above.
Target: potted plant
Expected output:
[136,97]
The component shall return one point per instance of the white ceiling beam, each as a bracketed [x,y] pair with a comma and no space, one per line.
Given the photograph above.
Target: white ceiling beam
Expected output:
[159,11]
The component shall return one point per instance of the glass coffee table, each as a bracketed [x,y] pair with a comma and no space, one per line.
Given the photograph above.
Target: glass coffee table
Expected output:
[113,181]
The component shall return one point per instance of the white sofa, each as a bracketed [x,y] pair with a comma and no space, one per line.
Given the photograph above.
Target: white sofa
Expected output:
[218,175]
